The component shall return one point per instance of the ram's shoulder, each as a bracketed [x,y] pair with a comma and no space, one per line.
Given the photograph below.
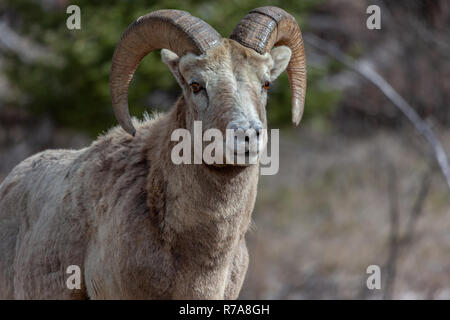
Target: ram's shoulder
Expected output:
[117,134]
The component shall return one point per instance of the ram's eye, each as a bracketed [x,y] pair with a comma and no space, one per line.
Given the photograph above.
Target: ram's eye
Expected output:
[266,85]
[195,86]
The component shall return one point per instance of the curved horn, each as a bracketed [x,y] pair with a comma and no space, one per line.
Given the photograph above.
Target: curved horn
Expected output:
[266,27]
[175,30]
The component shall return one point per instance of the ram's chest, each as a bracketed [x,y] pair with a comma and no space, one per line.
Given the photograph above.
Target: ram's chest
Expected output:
[188,248]
[205,244]
[139,266]
[204,266]
[202,283]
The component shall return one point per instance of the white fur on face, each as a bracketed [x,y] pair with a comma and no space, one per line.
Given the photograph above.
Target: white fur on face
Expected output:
[231,78]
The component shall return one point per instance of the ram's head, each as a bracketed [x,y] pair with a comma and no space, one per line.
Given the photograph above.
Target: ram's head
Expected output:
[224,81]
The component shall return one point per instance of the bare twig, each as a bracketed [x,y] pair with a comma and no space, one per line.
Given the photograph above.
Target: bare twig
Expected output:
[394,237]
[399,244]
[417,209]
[367,72]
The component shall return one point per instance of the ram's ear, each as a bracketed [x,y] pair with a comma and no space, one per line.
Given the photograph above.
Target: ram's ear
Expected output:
[172,60]
[281,56]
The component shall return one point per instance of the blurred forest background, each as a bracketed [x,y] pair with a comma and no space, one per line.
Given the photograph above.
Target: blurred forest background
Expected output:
[357,184]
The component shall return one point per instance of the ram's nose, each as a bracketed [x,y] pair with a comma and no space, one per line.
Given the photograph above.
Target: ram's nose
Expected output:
[247,136]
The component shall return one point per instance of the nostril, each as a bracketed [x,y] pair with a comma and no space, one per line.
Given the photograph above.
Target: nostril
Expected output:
[258,130]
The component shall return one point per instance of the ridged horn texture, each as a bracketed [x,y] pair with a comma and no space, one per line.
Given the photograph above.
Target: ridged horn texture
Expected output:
[262,29]
[175,30]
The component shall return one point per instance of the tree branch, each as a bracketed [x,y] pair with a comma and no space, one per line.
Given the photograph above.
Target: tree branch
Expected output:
[367,72]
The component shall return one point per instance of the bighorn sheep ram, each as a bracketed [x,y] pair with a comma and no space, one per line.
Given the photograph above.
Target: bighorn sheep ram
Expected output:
[138,225]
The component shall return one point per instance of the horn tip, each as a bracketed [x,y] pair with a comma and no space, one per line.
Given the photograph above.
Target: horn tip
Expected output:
[297,113]
[129,129]
[132,131]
